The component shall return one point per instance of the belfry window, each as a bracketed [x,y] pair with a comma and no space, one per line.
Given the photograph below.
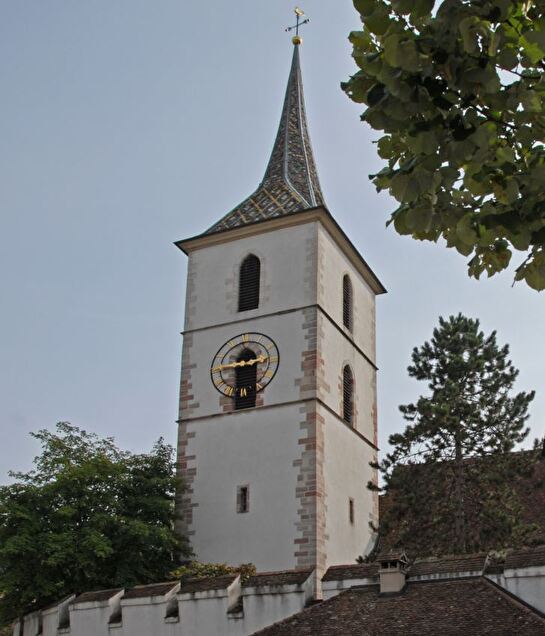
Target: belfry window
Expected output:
[348,395]
[245,382]
[347,302]
[248,283]
[243,499]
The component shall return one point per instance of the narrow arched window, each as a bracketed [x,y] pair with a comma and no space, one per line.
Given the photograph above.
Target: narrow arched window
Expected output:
[248,283]
[347,302]
[348,395]
[245,382]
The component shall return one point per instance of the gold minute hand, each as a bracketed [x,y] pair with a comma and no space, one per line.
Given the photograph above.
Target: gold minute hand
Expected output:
[242,363]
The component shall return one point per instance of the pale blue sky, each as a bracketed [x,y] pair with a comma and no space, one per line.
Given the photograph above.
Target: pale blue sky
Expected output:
[127,125]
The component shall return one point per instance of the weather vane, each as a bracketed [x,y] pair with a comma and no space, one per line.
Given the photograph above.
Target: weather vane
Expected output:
[297,39]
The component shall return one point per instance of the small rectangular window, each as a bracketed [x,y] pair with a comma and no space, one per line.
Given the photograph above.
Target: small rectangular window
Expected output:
[351,510]
[243,499]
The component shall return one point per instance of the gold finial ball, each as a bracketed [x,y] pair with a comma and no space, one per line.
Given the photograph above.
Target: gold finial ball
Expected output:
[297,39]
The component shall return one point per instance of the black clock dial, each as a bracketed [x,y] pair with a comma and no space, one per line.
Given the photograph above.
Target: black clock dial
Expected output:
[245,364]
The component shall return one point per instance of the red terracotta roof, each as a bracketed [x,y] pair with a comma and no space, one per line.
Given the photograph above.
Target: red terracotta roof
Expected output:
[473,607]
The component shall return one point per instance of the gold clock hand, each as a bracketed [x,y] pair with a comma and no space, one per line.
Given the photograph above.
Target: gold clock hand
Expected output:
[242,363]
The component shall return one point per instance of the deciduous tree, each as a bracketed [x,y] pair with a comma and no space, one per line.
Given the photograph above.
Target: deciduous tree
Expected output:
[88,516]
[457,90]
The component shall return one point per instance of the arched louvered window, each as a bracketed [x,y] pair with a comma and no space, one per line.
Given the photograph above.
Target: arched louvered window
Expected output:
[246,379]
[347,302]
[248,283]
[348,395]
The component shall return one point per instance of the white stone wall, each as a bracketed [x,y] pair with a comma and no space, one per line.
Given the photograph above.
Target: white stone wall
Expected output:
[200,613]
[337,351]
[287,332]
[287,259]
[333,265]
[255,448]
[346,473]
[279,449]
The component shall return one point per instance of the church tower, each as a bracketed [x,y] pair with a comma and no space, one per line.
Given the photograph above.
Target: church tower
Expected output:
[278,418]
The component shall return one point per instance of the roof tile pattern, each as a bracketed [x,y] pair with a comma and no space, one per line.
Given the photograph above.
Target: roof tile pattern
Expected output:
[287,577]
[147,591]
[207,584]
[453,564]
[97,596]
[291,180]
[526,558]
[351,572]
[473,607]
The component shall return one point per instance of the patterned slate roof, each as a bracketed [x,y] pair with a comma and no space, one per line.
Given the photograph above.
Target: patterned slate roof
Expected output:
[473,607]
[291,181]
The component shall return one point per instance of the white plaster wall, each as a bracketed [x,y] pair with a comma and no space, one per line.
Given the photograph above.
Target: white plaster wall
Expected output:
[346,473]
[255,447]
[287,332]
[337,351]
[285,256]
[333,266]
[527,584]
[50,623]
[261,610]
[90,619]
[205,616]
[31,623]
[145,617]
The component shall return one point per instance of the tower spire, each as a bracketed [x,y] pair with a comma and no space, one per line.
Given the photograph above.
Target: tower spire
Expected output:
[290,183]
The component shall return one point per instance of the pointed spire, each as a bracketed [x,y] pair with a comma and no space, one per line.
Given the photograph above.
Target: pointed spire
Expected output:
[291,181]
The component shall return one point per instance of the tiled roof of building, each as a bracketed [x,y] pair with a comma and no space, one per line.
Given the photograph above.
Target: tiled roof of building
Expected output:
[288,577]
[207,584]
[473,607]
[154,589]
[448,565]
[526,558]
[97,596]
[347,572]
[291,181]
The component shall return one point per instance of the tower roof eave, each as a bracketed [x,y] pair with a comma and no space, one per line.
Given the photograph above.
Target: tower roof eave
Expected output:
[319,213]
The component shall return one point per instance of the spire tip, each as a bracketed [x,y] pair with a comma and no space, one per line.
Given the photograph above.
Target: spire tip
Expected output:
[297,39]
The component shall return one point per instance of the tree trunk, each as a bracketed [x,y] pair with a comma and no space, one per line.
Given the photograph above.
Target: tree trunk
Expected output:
[460,521]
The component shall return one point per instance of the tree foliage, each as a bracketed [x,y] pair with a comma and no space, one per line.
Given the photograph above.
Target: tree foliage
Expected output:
[458,92]
[451,475]
[198,570]
[89,516]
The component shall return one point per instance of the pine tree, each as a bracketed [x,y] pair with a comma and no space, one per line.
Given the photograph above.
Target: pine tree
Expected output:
[451,474]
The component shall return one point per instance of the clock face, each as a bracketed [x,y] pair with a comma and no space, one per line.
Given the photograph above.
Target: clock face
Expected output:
[244,365]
